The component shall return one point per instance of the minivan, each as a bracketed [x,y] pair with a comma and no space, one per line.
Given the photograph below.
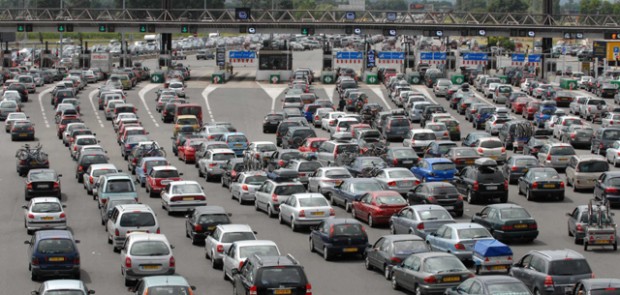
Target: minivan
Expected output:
[582,172]
[115,185]
[53,253]
[130,218]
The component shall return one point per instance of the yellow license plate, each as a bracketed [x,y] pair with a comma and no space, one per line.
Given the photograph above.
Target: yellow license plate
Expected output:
[563,159]
[493,157]
[282,291]
[188,199]
[469,162]
[151,267]
[520,226]
[451,279]
[551,185]
[211,227]
[498,267]
[318,213]
[349,250]
[23,134]
[47,218]
[56,259]
[601,242]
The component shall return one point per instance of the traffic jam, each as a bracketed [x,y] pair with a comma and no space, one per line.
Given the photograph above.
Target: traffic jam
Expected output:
[333,171]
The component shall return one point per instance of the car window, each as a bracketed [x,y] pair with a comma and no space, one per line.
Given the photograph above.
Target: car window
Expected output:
[149,248]
[263,250]
[473,233]
[232,237]
[313,202]
[434,215]
[137,219]
[593,166]
[46,207]
[562,151]
[348,230]
[213,218]
[189,188]
[443,166]
[443,263]
[514,213]
[119,186]
[167,290]
[56,246]
[274,277]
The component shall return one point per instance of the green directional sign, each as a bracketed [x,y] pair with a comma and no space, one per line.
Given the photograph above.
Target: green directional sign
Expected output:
[306,31]
[185,29]
[61,28]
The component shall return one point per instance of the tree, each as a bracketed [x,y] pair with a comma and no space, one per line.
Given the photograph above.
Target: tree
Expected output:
[396,5]
[590,6]
[514,6]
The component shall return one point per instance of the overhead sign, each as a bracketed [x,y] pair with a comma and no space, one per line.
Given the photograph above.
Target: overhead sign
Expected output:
[426,55]
[599,49]
[518,57]
[370,62]
[534,58]
[440,55]
[476,56]
[242,54]
[220,56]
[349,55]
[391,55]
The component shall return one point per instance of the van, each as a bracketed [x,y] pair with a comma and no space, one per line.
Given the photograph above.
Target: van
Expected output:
[189,109]
[583,171]
[431,76]
[329,151]
[124,108]
[106,97]
[130,218]
[603,139]
[115,185]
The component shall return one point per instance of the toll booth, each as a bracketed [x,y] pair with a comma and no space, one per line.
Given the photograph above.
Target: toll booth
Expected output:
[84,61]
[7,61]
[164,61]
[274,66]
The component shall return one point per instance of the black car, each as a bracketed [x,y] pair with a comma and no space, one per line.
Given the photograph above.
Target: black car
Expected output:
[21,89]
[295,136]
[390,250]
[87,159]
[167,112]
[283,127]
[489,285]
[517,165]
[507,222]
[232,168]
[338,237]
[437,193]
[608,188]
[401,157]
[262,275]
[484,180]
[202,222]
[534,144]
[541,182]
[42,182]
[61,95]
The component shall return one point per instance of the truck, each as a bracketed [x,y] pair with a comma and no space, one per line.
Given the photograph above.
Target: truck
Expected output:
[103,61]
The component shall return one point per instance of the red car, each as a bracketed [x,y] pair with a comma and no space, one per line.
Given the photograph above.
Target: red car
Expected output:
[311,144]
[159,177]
[530,109]
[187,152]
[377,207]
[64,121]
[519,104]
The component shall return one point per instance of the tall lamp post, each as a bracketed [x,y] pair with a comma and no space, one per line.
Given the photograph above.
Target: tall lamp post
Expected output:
[61,15]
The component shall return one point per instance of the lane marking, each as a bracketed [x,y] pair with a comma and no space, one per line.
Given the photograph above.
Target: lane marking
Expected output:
[426,92]
[91,95]
[46,91]
[205,95]
[378,90]
[330,89]
[274,91]
[141,94]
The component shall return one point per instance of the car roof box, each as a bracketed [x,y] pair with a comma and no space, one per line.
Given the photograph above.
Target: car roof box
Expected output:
[283,175]
[486,162]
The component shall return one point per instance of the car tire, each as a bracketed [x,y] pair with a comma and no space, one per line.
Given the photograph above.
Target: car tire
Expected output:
[395,284]
[326,255]
[109,238]
[311,245]
[280,219]
[418,290]
[570,233]
[371,223]
[294,226]
[470,198]
[458,213]
[561,197]
[270,213]
[386,272]
[214,263]
[392,229]
[347,206]
[34,276]
[529,196]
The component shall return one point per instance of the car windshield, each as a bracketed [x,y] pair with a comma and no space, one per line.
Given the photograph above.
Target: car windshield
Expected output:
[400,123]
[267,148]
[49,176]
[190,188]
[137,219]
[277,277]
[256,179]
[473,233]
[213,218]
[313,202]
[434,215]
[56,246]
[443,264]
[290,156]
[569,267]
[400,174]
[166,174]
[168,290]
[547,111]
[508,289]
[309,166]
[223,157]
[149,248]
[424,136]
[514,213]
[592,166]
[562,151]
[232,237]
[366,187]
[288,190]
[404,153]
[443,166]
[46,207]
[120,186]
[526,162]
[491,144]
[390,200]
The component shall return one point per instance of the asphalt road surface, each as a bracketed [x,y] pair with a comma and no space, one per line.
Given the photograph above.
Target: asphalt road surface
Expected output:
[244,104]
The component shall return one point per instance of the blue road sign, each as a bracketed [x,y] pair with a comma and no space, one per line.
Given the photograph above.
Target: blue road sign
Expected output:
[518,57]
[476,56]
[349,55]
[616,49]
[370,62]
[426,55]
[242,54]
[391,55]
[534,58]
[439,56]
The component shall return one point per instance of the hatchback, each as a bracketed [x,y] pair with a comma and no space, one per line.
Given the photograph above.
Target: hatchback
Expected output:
[555,155]
[146,255]
[458,239]
[159,177]
[42,182]
[429,273]
[53,253]
[391,250]
[582,172]
[53,287]
[182,196]
[434,169]
[218,243]
[337,237]
[127,219]
[607,188]
[264,275]
[240,251]
[44,213]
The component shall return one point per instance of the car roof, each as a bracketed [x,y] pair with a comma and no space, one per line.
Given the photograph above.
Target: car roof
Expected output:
[601,283]
[168,167]
[463,225]
[341,221]
[559,254]
[235,228]
[119,175]
[505,206]
[135,207]
[497,279]
[437,160]
[45,200]
[64,285]
[50,234]
[173,280]
[141,236]
[209,210]
[43,170]
[215,151]
[255,243]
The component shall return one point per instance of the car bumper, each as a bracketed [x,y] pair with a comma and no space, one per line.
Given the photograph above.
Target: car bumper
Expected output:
[185,206]
[345,250]
[464,255]
[492,194]
[551,193]
[134,275]
[518,235]
[118,242]
[553,164]
[437,288]
[65,271]
[46,225]
[51,192]
[437,179]
[584,183]
[247,196]
[311,221]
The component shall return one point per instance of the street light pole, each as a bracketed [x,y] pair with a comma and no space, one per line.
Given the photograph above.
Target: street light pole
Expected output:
[62,15]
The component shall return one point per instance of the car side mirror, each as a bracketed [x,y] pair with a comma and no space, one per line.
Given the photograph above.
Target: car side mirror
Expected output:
[234,271]
[172,137]
[34,292]
[91,291]
[229,214]
[25,207]
[77,241]
[569,214]
[255,232]
[171,246]
[119,170]
[64,206]
[478,214]
[181,174]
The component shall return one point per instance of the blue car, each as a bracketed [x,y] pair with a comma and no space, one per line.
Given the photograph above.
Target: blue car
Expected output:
[236,141]
[338,237]
[434,169]
[308,111]
[544,114]
[350,190]
[482,115]
[53,253]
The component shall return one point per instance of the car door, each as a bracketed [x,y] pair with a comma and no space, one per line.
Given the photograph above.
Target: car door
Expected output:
[363,207]
[433,238]
[599,186]
[518,269]
[263,195]
[320,235]
[244,280]
[443,240]
[411,273]
[572,220]
[286,208]
[481,218]
[313,185]
[229,259]
[166,192]
[373,253]
[459,182]
[212,240]
[338,197]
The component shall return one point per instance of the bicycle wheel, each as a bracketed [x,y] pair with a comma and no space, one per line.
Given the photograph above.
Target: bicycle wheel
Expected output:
[162,152]
[22,154]
[41,157]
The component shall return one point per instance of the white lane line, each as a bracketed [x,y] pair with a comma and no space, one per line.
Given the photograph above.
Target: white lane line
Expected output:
[205,95]
[274,91]
[330,89]
[43,93]
[141,93]
[91,95]
[378,90]
[425,90]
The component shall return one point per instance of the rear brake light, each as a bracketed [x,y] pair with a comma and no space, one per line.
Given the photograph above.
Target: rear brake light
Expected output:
[476,186]
[391,183]
[63,215]
[420,226]
[535,185]
[308,289]
[611,190]
[332,212]
[506,184]
[506,227]
[244,187]
[514,168]
[302,213]
[459,246]
[220,249]
[253,290]
[197,227]
[128,262]
[274,198]
[548,282]
[31,216]
[480,150]
[430,280]
[116,232]
[172,262]
[561,184]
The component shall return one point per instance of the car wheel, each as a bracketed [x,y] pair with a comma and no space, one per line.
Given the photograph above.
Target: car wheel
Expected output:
[371,223]
[418,290]
[33,276]
[386,272]
[127,282]
[293,225]
[353,213]
[367,263]
[529,196]
[269,212]
[392,229]
[222,181]
[280,219]
[326,254]
[109,239]
[331,199]
[394,283]
[577,240]
[256,205]
[570,233]
[311,245]
[470,197]
[347,207]
[214,263]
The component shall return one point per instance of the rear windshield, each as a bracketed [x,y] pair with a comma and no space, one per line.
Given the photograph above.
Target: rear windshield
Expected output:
[256,180]
[120,186]
[366,187]
[491,144]
[213,218]
[473,233]
[400,174]
[288,190]
[547,111]
[50,176]
[99,159]
[391,200]
[436,127]
[400,123]
[465,153]
[263,250]
[445,148]
[569,267]
[444,190]
[188,111]
[424,136]
[149,248]
[151,164]
[611,135]
[292,99]
[187,121]
[596,102]
[593,166]
[545,174]
[505,89]
[56,246]
[237,138]
[514,213]
[350,148]
[342,173]
[305,133]
[526,162]
[166,174]
[444,166]
[223,157]
[505,288]
[47,207]
[309,166]
[237,236]
[562,151]
[188,188]
[100,172]
[86,141]
[405,153]
[350,229]
[312,202]
[290,156]
[137,219]
[434,215]
[276,277]
[441,264]
[267,148]
[408,247]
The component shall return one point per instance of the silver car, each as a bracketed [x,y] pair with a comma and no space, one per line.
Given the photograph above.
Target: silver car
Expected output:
[106,209]
[241,250]
[146,255]
[397,179]
[73,287]
[555,155]
[305,209]
[495,123]
[415,113]
[441,87]
[440,129]
[211,163]
[223,236]
[491,147]
[44,213]
[271,194]
[419,139]
[326,177]
[246,185]
[419,220]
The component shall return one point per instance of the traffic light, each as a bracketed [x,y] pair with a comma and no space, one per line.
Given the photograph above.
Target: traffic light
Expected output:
[111,28]
[21,28]
[607,35]
[184,29]
[61,28]
[142,28]
[102,28]
[307,31]
[69,28]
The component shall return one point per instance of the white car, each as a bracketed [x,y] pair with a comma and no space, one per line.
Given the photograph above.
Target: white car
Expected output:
[182,196]
[241,250]
[92,174]
[305,209]
[613,153]
[11,118]
[562,124]
[488,92]
[610,120]
[330,119]
[419,139]
[575,106]
[44,213]
[440,129]
[495,123]
[491,147]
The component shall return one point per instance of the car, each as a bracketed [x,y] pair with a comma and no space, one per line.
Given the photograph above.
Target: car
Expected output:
[241,250]
[351,189]
[578,221]
[517,165]
[108,207]
[304,168]
[491,147]
[232,168]
[87,159]
[401,157]
[429,273]
[305,209]
[551,271]
[439,148]
[42,182]
[607,188]
[218,243]
[129,218]
[462,156]
[114,185]
[555,155]
[603,138]
[397,179]
[146,254]
[338,237]
[75,287]
[437,193]
[434,169]
[53,253]
[419,220]
[202,221]
[473,137]
[391,250]
[539,182]
[44,213]
[182,196]
[209,166]
[490,285]
[582,172]
[271,122]
[362,163]
[458,239]
[377,207]
[266,274]
[419,139]
[579,136]
[280,159]
[326,177]
[272,193]
[258,153]
[158,177]
[167,284]
[507,222]
[595,286]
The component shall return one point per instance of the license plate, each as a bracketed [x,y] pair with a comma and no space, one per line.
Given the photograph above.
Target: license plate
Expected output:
[23,134]
[318,213]
[407,162]
[520,226]
[469,162]
[282,291]
[43,185]
[563,159]
[349,250]
[525,170]
[601,242]
[211,227]
[151,267]
[56,259]
[493,157]
[549,185]
[449,207]
[47,218]
[498,267]
[451,279]
[238,145]
[188,199]
[491,188]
